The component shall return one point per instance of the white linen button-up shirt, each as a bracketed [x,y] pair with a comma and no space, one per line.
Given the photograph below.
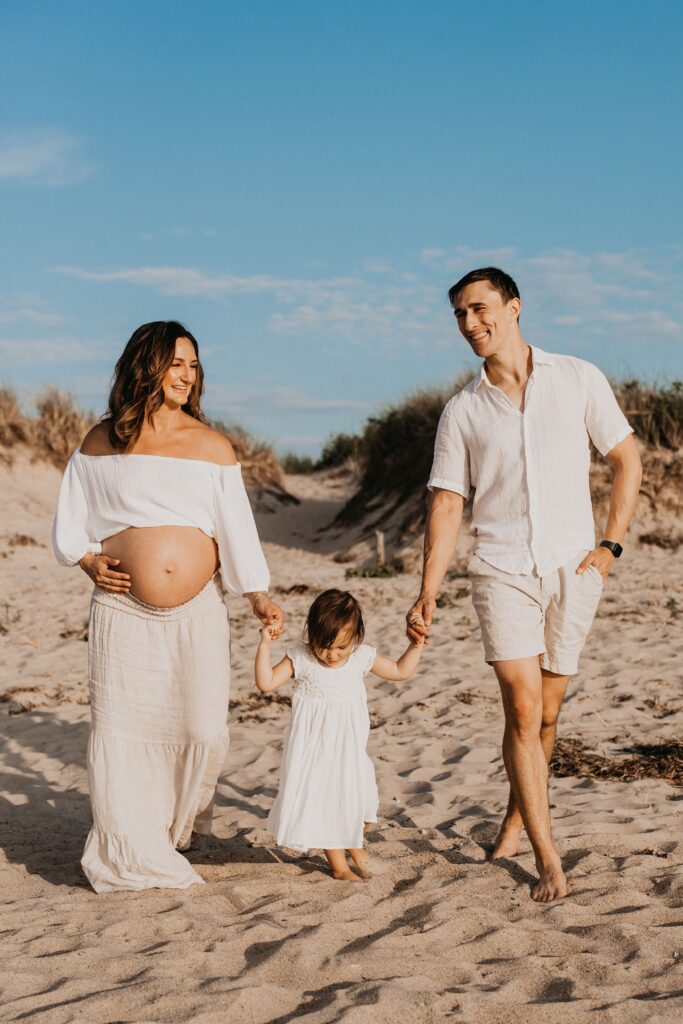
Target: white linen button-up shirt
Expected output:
[531,511]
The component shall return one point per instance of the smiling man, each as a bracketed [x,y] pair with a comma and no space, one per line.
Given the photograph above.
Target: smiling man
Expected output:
[518,437]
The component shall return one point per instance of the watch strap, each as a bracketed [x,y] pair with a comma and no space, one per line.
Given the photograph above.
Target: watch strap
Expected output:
[612,546]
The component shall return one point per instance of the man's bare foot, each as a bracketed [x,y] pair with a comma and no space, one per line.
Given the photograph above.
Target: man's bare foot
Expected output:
[507,842]
[551,885]
[346,876]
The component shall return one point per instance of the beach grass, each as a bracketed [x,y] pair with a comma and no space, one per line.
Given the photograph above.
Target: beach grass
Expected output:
[57,427]
[395,448]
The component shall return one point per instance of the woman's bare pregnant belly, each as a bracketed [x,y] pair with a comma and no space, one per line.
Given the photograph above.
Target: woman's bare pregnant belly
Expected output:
[167,565]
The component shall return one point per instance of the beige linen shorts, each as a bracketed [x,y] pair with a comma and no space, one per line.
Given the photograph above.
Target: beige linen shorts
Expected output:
[522,616]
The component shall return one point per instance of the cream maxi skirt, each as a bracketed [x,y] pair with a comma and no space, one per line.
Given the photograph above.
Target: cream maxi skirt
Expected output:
[159,687]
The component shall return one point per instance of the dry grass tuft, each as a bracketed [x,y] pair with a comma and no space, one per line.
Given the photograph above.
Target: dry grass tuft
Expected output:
[260,467]
[667,541]
[59,427]
[14,427]
[651,761]
[655,413]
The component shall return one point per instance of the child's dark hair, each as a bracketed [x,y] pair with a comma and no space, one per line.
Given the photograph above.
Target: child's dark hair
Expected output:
[331,612]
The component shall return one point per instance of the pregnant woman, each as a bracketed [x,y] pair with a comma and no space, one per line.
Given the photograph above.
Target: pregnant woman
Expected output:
[154,510]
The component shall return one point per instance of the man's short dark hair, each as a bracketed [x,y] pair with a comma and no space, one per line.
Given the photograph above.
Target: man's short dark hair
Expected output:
[498,279]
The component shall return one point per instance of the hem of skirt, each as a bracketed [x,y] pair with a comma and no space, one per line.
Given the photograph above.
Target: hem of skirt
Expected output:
[115,873]
[279,841]
[102,888]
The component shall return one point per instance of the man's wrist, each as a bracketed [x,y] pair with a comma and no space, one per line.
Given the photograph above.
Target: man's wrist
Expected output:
[613,546]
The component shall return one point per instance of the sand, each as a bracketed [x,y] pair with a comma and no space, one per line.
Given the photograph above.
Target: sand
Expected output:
[439,934]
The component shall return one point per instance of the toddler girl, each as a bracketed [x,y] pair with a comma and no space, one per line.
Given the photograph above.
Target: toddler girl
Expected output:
[327,781]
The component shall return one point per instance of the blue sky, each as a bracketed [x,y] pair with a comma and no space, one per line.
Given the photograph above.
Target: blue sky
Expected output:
[300,183]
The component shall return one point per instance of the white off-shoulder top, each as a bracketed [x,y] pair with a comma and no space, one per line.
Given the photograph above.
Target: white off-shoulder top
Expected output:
[101,495]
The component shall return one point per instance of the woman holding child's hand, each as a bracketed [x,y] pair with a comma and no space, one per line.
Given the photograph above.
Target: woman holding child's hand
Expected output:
[328,792]
[153,508]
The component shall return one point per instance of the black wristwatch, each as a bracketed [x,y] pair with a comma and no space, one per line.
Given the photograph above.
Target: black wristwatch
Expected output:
[612,546]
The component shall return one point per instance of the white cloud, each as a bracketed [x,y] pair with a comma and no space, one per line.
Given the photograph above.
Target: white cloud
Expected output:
[192,282]
[20,351]
[46,157]
[32,316]
[568,296]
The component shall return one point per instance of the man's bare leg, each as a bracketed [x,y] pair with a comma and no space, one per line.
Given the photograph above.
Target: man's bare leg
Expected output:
[521,687]
[554,688]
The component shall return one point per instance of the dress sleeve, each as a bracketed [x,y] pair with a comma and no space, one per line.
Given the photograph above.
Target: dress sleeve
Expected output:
[243,565]
[367,654]
[296,656]
[71,537]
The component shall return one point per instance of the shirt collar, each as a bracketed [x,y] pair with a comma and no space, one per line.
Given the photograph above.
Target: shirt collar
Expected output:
[538,358]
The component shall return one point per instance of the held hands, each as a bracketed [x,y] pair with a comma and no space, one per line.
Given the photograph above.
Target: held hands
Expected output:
[601,558]
[268,634]
[419,619]
[269,614]
[98,568]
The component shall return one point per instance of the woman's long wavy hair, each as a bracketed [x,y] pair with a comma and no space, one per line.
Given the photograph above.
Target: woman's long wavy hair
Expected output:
[137,392]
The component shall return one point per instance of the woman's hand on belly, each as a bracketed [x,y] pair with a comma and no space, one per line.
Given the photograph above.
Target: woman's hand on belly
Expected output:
[168,565]
[99,569]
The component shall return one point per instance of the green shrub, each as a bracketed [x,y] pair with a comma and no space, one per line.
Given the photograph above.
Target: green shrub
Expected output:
[396,450]
[292,463]
[338,450]
[396,447]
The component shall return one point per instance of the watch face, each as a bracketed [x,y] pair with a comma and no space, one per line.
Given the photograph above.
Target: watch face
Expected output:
[612,546]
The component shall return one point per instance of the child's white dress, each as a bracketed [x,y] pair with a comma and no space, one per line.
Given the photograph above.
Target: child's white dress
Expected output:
[327,781]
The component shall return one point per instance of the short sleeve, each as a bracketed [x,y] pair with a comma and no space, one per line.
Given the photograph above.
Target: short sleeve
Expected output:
[451,465]
[71,529]
[243,565]
[366,657]
[605,422]
[297,656]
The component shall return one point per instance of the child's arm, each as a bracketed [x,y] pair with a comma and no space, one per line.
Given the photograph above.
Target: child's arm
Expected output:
[267,677]
[399,670]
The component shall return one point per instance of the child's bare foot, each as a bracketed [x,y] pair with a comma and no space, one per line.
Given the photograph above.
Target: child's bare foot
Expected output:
[362,861]
[346,875]
[341,871]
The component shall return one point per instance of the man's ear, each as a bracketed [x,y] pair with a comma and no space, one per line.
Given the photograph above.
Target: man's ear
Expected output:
[515,308]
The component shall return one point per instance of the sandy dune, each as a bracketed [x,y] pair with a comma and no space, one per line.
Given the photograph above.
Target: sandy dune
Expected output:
[439,934]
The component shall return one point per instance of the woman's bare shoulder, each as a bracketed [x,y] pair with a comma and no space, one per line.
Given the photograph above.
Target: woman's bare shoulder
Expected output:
[212,446]
[96,441]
